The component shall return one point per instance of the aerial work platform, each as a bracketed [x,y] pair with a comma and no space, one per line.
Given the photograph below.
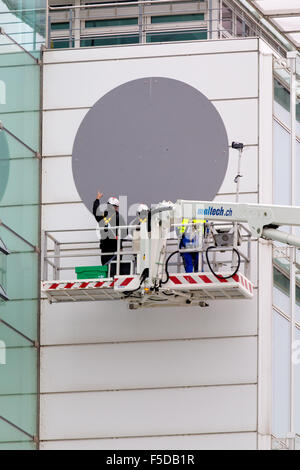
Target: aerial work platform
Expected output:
[189,289]
[157,274]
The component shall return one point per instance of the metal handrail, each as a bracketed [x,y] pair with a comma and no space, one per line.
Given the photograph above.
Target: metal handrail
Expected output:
[254,26]
[52,257]
[134,3]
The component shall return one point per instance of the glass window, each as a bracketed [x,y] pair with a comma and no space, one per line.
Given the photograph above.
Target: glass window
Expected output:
[22,276]
[24,220]
[19,209]
[20,410]
[61,43]
[282,97]
[21,315]
[10,435]
[281,293]
[297,170]
[239,27]
[281,376]
[19,374]
[227,18]
[297,384]
[176,36]
[18,446]
[110,22]
[20,83]
[24,125]
[60,26]
[25,21]
[177,18]
[18,181]
[3,271]
[282,165]
[109,40]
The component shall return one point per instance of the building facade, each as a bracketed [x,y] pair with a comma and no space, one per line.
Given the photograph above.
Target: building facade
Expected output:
[95,375]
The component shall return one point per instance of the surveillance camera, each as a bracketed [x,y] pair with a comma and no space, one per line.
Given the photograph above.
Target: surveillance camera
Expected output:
[237,145]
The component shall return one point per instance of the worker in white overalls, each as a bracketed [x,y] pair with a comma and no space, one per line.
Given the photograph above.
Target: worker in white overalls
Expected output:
[142,221]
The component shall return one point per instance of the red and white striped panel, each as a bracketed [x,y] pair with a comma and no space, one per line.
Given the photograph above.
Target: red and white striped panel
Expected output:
[118,283]
[82,284]
[209,281]
[125,283]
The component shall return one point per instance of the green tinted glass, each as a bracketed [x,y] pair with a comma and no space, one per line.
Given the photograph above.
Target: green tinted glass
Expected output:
[15,243]
[109,41]
[110,22]
[282,96]
[20,84]
[61,44]
[19,374]
[12,54]
[3,270]
[19,210]
[60,26]
[20,410]
[177,18]
[176,36]
[21,315]
[25,22]
[12,337]
[22,276]
[18,446]
[8,432]
[21,181]
[11,148]
[24,221]
[24,125]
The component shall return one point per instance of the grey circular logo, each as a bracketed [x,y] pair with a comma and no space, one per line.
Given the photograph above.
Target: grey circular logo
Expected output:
[151,139]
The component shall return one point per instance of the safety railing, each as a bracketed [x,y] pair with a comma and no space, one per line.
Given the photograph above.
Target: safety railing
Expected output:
[141,21]
[64,250]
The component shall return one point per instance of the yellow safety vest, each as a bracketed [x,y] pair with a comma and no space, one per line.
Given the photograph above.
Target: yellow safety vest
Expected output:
[106,220]
[186,221]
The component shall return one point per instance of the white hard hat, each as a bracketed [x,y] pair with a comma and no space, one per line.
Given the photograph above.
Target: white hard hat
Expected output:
[141,208]
[113,201]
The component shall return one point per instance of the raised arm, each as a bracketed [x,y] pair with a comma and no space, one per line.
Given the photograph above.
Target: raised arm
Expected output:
[96,205]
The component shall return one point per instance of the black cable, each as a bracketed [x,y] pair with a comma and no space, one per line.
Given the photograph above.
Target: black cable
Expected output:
[143,277]
[166,266]
[217,275]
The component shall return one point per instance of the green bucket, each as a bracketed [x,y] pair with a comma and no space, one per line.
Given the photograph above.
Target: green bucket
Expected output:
[91,272]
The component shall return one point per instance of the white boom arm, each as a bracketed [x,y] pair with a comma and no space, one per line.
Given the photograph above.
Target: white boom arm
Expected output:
[259,217]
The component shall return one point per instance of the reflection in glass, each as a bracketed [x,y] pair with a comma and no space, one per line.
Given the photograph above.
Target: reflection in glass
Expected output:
[282,165]
[281,376]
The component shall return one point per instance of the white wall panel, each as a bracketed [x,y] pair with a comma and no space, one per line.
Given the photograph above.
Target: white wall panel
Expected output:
[232,441]
[58,182]
[100,77]
[67,217]
[148,412]
[59,130]
[250,198]
[95,322]
[240,118]
[148,364]
[149,50]
[249,170]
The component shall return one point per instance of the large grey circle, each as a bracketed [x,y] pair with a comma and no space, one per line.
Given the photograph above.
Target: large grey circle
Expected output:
[151,139]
